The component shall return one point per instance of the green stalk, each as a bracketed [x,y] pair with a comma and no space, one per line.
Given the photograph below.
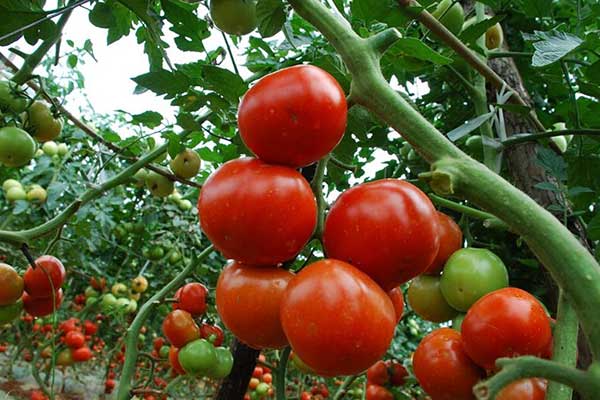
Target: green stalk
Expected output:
[564,346]
[455,173]
[131,339]
[280,375]
[317,187]
[489,221]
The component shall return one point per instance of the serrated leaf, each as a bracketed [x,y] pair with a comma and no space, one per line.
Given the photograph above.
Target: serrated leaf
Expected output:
[55,191]
[468,127]
[271,16]
[220,80]
[551,46]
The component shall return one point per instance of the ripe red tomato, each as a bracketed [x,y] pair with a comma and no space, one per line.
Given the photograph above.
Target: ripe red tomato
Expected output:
[179,327]
[89,327]
[191,298]
[505,323]
[109,385]
[69,325]
[40,307]
[82,354]
[248,301]
[442,367]
[38,395]
[376,392]
[257,213]
[398,373]
[337,319]
[37,283]
[294,116]
[377,373]
[451,240]
[398,300]
[212,333]
[174,360]
[524,389]
[158,343]
[74,339]
[387,228]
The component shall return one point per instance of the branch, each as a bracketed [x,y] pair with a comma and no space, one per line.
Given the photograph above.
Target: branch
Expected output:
[431,23]
[131,348]
[280,375]
[489,221]
[532,367]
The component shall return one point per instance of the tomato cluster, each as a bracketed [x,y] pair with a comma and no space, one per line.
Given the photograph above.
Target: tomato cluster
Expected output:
[195,350]
[382,375]
[260,385]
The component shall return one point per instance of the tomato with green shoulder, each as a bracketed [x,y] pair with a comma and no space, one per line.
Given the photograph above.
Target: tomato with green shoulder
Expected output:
[198,357]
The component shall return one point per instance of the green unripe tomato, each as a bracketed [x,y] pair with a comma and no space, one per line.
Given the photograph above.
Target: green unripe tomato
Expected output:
[122,304]
[494,37]
[236,17]
[17,147]
[159,185]
[10,183]
[224,363]
[198,357]
[164,352]
[140,177]
[9,312]
[426,299]
[457,321]
[470,274]
[108,303]
[90,300]
[50,148]
[156,253]
[131,306]
[9,99]
[141,338]
[186,164]
[262,389]
[16,193]
[175,197]
[63,149]
[451,16]
[90,292]
[42,123]
[174,257]
[185,205]
[37,195]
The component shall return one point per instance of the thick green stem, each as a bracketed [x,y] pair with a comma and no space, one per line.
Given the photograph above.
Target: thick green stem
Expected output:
[36,57]
[564,346]
[570,264]
[531,367]
[281,372]
[131,339]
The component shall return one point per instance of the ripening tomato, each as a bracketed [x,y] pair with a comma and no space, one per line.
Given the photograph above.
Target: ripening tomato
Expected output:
[89,327]
[426,300]
[74,339]
[442,367]
[451,240]
[212,333]
[64,358]
[40,307]
[179,327]
[524,389]
[82,354]
[174,360]
[246,204]
[398,373]
[398,300]
[470,274]
[386,228]
[191,298]
[294,116]
[248,301]
[376,392]
[506,323]
[37,283]
[377,373]
[11,284]
[337,319]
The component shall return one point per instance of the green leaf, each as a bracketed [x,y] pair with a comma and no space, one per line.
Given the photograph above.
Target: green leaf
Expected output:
[163,82]
[552,163]
[72,60]
[101,16]
[415,48]
[551,46]
[593,227]
[547,186]
[386,11]
[468,127]
[271,16]
[190,29]
[151,119]
[220,80]
[474,32]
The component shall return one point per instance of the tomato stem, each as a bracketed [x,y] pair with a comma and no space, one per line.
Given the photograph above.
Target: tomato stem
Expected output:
[281,371]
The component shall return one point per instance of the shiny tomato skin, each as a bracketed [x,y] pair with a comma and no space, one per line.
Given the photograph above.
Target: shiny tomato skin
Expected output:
[377,373]
[294,116]
[82,354]
[74,339]
[179,327]
[174,360]
[191,298]
[386,228]
[246,204]
[451,240]
[398,373]
[398,301]
[426,299]
[11,283]
[248,300]
[337,319]
[505,323]
[442,367]
[36,280]
[376,392]
[40,307]
[212,333]
[524,389]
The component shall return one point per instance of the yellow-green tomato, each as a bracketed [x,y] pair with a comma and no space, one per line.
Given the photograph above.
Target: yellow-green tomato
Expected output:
[16,193]
[37,195]
[10,183]
[159,185]
[236,17]
[452,16]
[10,100]
[470,274]
[426,300]
[494,37]
[17,147]
[42,123]
[10,312]
[198,357]
[186,164]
